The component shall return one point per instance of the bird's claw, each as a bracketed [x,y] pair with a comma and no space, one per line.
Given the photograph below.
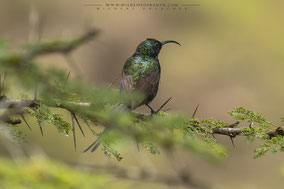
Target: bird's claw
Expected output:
[153,112]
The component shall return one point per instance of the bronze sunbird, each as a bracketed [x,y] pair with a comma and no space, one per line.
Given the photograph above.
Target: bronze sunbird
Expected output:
[141,73]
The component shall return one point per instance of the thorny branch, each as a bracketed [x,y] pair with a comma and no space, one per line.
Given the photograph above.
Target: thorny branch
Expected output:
[182,179]
[227,130]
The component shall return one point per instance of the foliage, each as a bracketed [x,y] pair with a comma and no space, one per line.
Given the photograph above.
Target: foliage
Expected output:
[44,116]
[258,128]
[46,174]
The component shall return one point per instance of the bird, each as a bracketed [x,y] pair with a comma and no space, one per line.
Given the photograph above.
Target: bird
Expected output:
[141,74]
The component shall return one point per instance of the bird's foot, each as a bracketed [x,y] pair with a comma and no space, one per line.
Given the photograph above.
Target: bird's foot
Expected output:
[153,112]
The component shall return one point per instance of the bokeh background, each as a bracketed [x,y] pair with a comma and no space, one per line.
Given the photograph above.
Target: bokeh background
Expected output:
[232,55]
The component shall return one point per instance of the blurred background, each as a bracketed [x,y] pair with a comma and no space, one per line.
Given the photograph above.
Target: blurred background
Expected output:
[232,55]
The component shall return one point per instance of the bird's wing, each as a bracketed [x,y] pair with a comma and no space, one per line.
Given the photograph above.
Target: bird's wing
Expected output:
[147,87]
[126,83]
[147,84]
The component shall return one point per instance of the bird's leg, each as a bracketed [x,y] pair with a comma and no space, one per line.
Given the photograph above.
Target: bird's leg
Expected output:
[152,110]
[157,111]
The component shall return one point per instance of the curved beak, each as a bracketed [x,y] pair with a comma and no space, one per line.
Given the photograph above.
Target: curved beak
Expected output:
[170,41]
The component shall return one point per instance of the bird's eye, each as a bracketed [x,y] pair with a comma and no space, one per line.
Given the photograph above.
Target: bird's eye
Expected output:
[157,46]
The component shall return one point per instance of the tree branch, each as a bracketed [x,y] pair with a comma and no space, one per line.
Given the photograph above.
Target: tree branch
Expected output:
[142,174]
[227,130]
[64,47]
[232,132]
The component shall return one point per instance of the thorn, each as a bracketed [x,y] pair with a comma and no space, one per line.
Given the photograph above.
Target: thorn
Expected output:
[232,141]
[194,113]
[76,119]
[93,132]
[90,146]
[26,122]
[68,75]
[71,63]
[233,124]
[40,127]
[74,133]
[164,104]
[113,82]
[95,147]
[97,142]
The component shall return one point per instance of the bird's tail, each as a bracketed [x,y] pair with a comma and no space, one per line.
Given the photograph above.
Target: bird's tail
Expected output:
[96,144]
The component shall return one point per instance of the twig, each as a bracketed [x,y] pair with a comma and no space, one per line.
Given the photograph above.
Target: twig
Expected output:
[64,48]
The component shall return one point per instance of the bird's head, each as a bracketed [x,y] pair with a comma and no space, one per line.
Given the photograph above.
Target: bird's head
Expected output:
[151,47]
